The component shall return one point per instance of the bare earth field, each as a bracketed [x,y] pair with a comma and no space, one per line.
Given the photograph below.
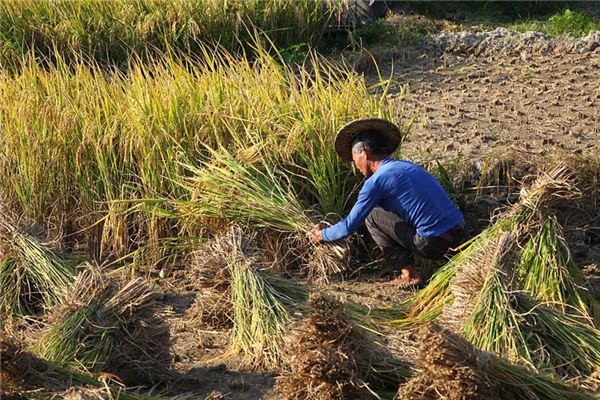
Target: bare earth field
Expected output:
[524,106]
[534,104]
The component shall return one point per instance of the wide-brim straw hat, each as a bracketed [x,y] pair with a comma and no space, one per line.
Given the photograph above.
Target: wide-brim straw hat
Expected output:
[348,132]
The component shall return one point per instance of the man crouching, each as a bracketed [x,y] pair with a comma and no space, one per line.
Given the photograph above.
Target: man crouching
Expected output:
[405,208]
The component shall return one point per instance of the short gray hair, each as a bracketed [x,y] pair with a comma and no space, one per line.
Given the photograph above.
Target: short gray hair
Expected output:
[373,142]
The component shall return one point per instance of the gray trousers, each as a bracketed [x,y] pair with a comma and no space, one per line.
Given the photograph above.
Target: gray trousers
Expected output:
[399,241]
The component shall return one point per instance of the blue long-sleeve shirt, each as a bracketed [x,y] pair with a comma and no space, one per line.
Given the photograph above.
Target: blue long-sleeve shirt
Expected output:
[405,189]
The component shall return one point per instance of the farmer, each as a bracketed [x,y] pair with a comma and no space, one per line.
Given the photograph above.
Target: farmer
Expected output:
[405,209]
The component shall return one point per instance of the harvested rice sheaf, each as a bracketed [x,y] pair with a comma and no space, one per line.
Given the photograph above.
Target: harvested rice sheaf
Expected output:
[25,376]
[261,196]
[494,316]
[451,368]
[524,219]
[32,274]
[103,324]
[330,357]
[548,273]
[213,307]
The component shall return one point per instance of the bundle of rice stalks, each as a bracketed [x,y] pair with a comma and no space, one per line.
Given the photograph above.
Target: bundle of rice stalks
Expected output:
[564,343]
[31,274]
[24,376]
[329,357]
[230,189]
[211,265]
[493,317]
[481,306]
[104,325]
[427,304]
[451,368]
[256,306]
[523,219]
[548,272]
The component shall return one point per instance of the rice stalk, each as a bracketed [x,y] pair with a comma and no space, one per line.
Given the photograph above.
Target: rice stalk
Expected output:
[260,313]
[98,325]
[451,368]
[31,274]
[260,317]
[329,357]
[227,188]
[548,272]
[73,337]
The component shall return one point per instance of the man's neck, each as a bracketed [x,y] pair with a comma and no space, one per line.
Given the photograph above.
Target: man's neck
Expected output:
[374,164]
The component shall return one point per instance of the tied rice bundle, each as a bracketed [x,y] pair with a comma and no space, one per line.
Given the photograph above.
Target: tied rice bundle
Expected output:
[451,368]
[31,274]
[24,375]
[523,220]
[261,307]
[548,272]
[494,317]
[329,357]
[103,324]
[255,306]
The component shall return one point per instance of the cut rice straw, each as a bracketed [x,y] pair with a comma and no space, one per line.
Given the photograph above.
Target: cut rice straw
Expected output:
[548,272]
[91,328]
[31,274]
[531,211]
[229,189]
[330,357]
[451,368]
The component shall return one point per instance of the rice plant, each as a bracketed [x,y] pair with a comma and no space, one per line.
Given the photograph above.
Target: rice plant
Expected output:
[99,154]
[112,33]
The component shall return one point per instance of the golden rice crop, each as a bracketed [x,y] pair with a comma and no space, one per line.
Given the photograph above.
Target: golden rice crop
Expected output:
[114,32]
[82,148]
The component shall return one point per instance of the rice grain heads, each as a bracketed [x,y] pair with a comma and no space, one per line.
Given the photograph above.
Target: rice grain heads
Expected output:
[450,368]
[103,324]
[329,357]
[32,275]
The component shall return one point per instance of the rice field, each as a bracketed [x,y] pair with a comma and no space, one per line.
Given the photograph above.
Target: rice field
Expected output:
[161,166]
[113,33]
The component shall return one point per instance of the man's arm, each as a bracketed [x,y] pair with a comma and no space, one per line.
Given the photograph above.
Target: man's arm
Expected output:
[369,196]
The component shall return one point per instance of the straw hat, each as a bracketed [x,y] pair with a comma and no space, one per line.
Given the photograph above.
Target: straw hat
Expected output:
[348,132]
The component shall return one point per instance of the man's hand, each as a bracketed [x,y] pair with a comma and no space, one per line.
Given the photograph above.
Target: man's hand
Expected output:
[315,235]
